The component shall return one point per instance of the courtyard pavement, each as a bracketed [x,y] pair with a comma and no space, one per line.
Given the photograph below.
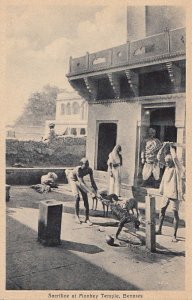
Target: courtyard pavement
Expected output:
[84,261]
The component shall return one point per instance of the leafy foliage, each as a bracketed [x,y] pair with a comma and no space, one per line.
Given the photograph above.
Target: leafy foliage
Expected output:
[41,106]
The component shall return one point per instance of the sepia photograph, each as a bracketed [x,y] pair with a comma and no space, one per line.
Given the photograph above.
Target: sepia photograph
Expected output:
[95,136]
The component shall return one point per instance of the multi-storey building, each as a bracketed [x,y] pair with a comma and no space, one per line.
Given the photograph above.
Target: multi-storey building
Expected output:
[134,86]
[71,115]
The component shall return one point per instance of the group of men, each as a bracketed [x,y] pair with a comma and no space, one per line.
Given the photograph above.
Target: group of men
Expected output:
[153,155]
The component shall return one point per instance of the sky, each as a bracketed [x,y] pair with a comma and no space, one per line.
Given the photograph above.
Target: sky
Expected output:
[40,40]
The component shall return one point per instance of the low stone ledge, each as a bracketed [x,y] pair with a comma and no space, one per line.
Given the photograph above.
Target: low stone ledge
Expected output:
[29,176]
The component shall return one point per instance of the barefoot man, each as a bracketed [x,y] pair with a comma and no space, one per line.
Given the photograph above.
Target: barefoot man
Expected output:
[171,188]
[75,178]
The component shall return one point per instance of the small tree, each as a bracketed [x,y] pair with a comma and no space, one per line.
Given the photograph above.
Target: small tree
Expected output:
[41,106]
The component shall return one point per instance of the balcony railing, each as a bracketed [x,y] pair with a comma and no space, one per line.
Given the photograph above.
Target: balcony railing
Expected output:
[150,48]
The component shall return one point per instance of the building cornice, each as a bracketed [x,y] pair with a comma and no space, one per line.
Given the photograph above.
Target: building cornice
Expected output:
[142,99]
[70,99]
[71,123]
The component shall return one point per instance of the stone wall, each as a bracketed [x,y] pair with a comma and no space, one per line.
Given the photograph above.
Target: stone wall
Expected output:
[29,176]
[64,152]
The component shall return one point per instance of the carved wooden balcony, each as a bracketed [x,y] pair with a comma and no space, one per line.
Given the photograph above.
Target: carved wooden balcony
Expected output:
[150,50]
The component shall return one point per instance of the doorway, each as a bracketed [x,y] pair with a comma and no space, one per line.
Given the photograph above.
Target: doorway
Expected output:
[162,119]
[107,136]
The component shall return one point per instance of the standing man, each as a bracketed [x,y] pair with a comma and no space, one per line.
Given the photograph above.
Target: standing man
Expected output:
[75,178]
[51,137]
[114,169]
[171,188]
[149,150]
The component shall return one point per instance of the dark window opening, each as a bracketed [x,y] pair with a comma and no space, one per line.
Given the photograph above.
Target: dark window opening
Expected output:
[82,131]
[68,109]
[163,121]
[76,108]
[74,131]
[106,141]
[62,109]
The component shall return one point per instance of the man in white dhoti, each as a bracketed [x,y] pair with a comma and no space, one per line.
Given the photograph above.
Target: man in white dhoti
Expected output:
[114,169]
[171,188]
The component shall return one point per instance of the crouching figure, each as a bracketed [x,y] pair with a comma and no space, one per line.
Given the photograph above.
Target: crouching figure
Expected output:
[124,216]
[49,179]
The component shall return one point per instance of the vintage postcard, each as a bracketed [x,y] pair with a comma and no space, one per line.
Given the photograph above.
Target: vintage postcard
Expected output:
[95,150]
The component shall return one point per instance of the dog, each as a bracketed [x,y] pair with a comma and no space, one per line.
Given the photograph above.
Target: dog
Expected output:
[95,199]
[132,204]
[105,200]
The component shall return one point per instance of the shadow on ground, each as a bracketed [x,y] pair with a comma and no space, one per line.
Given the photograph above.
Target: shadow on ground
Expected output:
[80,247]
[31,266]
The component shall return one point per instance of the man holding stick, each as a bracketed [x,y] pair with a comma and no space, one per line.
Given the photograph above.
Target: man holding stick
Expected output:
[75,178]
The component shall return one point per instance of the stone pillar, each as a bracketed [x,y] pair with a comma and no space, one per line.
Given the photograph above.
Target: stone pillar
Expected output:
[180,124]
[49,225]
[142,126]
[82,111]
[180,139]
[150,223]
[137,177]
[86,110]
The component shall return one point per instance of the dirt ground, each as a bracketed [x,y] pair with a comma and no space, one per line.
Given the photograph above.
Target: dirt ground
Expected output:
[84,261]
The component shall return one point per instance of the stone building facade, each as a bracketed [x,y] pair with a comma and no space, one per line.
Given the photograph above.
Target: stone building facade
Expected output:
[71,115]
[134,86]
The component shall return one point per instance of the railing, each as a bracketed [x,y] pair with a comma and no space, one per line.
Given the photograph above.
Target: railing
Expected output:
[166,43]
